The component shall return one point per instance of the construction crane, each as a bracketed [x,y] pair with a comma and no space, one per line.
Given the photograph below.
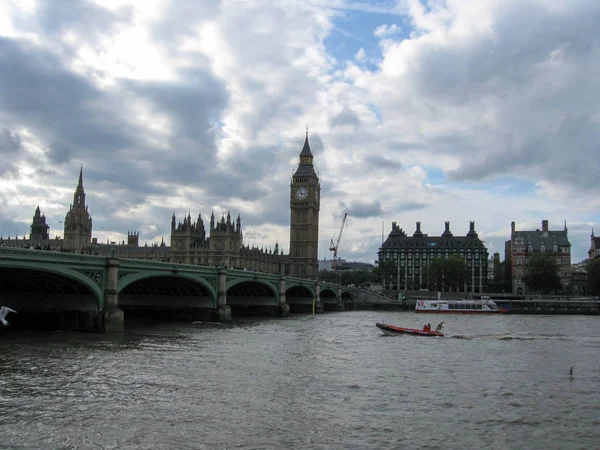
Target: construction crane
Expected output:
[334,248]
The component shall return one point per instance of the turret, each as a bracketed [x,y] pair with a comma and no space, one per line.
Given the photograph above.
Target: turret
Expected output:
[472,231]
[447,231]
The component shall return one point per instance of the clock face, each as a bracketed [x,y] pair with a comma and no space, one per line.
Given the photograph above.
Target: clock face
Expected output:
[301,193]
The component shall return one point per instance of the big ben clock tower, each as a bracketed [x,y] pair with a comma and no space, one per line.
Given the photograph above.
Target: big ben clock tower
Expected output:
[305,197]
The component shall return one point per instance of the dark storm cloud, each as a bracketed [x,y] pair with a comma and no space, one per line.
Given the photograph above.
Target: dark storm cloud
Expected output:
[193,104]
[10,147]
[363,209]
[380,162]
[39,92]
[317,147]
[81,17]
[345,117]
[526,93]
[79,122]
[410,206]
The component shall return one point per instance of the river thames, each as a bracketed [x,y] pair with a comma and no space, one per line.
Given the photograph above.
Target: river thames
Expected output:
[332,381]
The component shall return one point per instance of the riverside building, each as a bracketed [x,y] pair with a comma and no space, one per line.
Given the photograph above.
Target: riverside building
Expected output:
[525,244]
[412,255]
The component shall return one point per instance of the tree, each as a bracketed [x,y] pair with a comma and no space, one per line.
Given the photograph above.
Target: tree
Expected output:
[387,270]
[593,273]
[542,274]
[355,277]
[445,273]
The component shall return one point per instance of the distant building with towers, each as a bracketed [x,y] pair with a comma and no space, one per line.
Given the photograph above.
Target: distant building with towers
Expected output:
[223,245]
[78,222]
[191,243]
[39,228]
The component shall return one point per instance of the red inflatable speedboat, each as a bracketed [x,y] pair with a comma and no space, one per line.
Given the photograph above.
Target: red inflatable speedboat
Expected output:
[394,330]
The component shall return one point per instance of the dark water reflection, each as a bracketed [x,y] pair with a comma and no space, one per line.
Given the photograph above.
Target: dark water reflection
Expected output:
[302,383]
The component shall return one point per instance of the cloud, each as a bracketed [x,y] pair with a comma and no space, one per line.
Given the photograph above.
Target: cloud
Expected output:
[363,209]
[386,30]
[483,112]
[345,117]
[10,146]
[360,55]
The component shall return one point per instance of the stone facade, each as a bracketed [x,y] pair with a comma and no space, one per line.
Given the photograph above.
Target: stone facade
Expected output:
[39,228]
[525,244]
[78,222]
[413,254]
[305,200]
[222,246]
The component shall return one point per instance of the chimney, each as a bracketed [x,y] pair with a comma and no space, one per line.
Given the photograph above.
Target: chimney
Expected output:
[544,225]
[472,226]
[447,227]
[418,227]
[512,228]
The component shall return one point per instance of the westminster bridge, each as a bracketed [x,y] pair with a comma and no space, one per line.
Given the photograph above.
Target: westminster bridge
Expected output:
[95,293]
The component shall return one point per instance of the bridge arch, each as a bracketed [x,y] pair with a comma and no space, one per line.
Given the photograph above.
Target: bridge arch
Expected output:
[252,297]
[347,296]
[299,297]
[329,294]
[161,295]
[136,278]
[24,277]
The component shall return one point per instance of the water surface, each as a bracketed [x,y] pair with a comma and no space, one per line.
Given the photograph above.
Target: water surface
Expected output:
[332,381]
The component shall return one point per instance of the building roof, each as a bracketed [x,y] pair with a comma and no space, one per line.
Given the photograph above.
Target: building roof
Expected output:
[548,239]
[398,239]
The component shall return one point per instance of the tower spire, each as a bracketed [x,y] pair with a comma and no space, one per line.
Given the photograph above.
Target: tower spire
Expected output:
[80,184]
[306,149]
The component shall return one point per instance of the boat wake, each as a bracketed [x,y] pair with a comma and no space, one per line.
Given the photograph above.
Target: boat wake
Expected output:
[517,337]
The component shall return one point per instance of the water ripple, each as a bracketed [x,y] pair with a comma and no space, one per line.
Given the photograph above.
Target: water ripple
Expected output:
[305,383]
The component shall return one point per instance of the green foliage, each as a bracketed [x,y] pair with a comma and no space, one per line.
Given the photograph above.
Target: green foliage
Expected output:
[386,270]
[443,274]
[542,274]
[347,277]
[593,273]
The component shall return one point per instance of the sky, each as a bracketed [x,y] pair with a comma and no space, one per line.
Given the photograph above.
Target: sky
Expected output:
[417,110]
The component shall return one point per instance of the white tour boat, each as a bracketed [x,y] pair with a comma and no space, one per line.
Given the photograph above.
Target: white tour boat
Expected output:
[485,305]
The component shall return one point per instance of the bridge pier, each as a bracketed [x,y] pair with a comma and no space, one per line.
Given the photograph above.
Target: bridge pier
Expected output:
[283,308]
[223,311]
[319,308]
[340,303]
[112,317]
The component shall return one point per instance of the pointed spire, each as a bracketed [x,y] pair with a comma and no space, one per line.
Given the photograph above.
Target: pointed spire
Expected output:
[80,177]
[306,149]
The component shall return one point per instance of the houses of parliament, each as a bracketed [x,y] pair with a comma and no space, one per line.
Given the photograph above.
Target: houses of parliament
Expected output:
[190,242]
